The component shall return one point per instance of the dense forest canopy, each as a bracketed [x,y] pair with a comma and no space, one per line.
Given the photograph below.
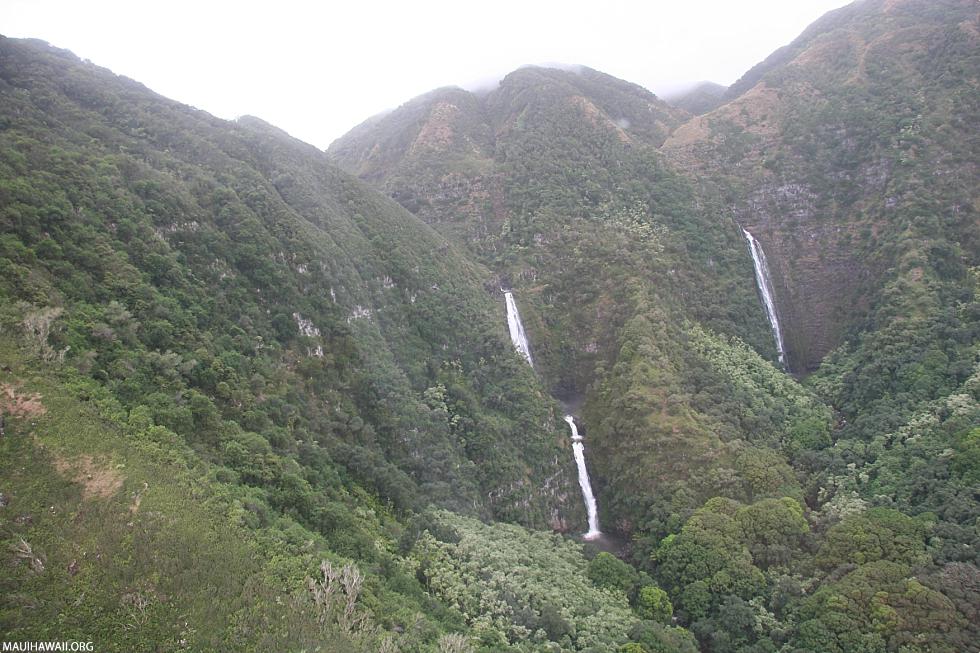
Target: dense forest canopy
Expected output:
[249,400]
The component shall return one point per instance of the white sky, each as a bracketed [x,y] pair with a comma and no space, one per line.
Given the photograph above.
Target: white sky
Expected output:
[316,69]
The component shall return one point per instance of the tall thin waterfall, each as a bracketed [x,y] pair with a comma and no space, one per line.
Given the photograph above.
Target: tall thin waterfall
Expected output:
[519,338]
[583,480]
[517,335]
[764,282]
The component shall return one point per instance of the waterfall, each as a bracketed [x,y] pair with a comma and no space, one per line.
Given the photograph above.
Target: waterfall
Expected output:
[764,281]
[517,335]
[583,480]
[519,338]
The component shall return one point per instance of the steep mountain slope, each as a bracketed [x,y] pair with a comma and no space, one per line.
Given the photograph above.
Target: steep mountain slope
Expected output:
[550,159]
[838,147]
[629,287]
[114,534]
[438,154]
[852,156]
[320,350]
[244,242]
[756,502]
[209,313]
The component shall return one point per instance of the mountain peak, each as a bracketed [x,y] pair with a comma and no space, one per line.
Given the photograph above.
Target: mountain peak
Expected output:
[699,98]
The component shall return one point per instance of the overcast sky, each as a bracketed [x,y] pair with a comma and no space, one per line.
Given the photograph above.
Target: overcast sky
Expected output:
[316,69]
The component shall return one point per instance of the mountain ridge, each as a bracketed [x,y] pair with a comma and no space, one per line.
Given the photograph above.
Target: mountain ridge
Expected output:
[699,98]
[755,128]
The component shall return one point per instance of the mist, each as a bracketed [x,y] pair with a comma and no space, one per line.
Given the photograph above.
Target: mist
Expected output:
[316,71]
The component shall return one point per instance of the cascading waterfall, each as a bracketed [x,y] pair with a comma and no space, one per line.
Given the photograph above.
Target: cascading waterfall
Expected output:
[764,282]
[517,335]
[583,480]
[519,338]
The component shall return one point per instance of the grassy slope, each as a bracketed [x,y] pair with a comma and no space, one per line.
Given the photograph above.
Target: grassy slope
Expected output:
[140,548]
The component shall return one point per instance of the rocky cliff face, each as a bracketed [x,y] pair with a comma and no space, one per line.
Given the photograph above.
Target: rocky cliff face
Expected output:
[821,283]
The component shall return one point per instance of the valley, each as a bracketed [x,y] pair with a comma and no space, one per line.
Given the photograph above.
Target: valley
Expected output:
[553,366]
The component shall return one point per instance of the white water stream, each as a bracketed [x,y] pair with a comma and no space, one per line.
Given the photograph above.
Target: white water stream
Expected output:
[519,338]
[517,335]
[583,480]
[764,282]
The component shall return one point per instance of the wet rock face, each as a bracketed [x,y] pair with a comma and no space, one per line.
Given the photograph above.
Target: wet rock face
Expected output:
[818,277]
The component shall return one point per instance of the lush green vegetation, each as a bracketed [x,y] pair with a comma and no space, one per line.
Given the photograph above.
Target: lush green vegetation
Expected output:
[622,274]
[234,287]
[531,591]
[321,360]
[116,532]
[736,485]
[247,399]
[517,587]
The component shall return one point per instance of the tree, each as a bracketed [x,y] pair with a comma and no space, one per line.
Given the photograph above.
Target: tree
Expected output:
[878,534]
[878,607]
[657,638]
[709,560]
[653,604]
[765,473]
[455,643]
[606,570]
[772,529]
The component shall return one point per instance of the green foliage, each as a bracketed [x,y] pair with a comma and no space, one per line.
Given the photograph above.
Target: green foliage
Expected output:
[269,370]
[654,605]
[323,361]
[920,467]
[630,291]
[608,571]
[653,637]
[877,607]
[766,474]
[811,434]
[708,560]
[770,407]
[114,535]
[772,529]
[527,587]
[966,462]
[228,277]
[878,534]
